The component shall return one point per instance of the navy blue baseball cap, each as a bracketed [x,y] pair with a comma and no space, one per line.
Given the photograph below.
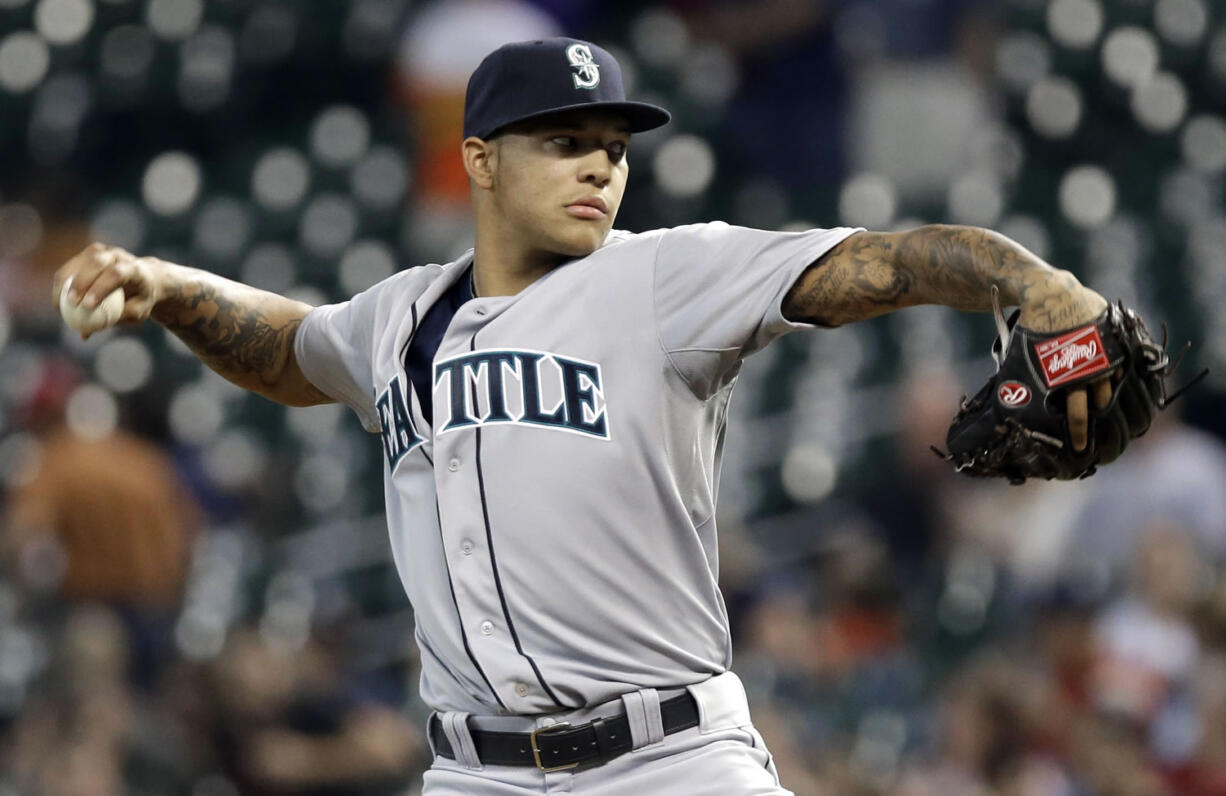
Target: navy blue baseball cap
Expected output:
[527,79]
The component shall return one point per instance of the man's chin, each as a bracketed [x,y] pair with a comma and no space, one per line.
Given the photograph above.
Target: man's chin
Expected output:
[581,246]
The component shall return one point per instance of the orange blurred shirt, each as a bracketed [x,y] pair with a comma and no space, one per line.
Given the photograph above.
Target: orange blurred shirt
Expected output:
[119,511]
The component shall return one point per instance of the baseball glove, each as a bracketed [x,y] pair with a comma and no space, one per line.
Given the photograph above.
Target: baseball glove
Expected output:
[1015,427]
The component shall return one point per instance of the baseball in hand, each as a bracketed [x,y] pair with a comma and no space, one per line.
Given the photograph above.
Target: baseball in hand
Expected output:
[87,321]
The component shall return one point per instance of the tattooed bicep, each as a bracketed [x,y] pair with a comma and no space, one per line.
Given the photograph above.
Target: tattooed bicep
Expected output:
[856,279]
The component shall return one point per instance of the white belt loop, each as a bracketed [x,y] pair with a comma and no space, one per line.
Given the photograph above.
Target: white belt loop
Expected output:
[455,727]
[643,713]
[721,702]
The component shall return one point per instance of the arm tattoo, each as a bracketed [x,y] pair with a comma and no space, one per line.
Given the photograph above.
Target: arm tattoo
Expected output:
[854,280]
[872,273]
[235,330]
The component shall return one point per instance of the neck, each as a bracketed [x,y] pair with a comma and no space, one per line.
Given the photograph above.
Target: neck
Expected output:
[498,274]
[503,264]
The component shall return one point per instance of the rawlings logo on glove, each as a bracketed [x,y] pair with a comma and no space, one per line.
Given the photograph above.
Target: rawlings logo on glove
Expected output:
[1072,355]
[1013,394]
[1024,433]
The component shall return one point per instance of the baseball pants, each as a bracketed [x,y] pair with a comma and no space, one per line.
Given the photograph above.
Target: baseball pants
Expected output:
[723,756]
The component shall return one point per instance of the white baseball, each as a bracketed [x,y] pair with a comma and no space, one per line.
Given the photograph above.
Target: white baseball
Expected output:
[87,321]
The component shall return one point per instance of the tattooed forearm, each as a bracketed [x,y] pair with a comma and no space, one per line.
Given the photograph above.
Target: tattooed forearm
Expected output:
[245,334]
[958,266]
[872,273]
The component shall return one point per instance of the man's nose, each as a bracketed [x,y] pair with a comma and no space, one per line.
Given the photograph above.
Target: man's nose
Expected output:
[596,168]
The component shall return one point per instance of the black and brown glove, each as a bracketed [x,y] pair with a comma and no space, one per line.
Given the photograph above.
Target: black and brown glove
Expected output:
[1016,426]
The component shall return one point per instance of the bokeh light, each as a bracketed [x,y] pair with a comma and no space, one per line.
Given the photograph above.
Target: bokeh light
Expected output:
[339,136]
[328,225]
[867,200]
[1203,143]
[269,266]
[1022,58]
[1075,24]
[1029,231]
[321,482]
[1087,196]
[280,179]
[24,59]
[809,472]
[1186,196]
[380,179]
[195,414]
[92,412]
[174,20]
[269,34]
[709,76]
[315,425]
[364,264]
[206,69]
[172,183]
[234,460]
[1181,22]
[659,37]
[1054,107]
[223,228]
[123,364]
[119,222]
[61,106]
[684,166]
[976,198]
[63,22]
[127,52]
[1130,56]
[1160,102]
[20,455]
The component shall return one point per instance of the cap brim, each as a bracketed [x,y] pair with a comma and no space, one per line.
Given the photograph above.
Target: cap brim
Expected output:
[643,116]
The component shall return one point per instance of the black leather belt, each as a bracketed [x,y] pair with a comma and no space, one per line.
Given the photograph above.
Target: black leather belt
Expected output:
[561,746]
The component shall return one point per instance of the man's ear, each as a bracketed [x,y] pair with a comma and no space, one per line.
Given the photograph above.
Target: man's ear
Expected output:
[480,160]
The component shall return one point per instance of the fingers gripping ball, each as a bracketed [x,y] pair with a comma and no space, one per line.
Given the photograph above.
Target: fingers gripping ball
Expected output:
[88,321]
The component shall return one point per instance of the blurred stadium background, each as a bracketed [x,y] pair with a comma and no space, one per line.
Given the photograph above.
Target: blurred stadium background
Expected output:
[196,595]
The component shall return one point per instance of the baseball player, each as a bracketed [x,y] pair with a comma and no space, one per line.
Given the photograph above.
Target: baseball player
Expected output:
[551,410]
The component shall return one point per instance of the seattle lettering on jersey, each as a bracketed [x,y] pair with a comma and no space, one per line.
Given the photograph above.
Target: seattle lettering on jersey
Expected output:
[497,386]
[396,422]
[535,388]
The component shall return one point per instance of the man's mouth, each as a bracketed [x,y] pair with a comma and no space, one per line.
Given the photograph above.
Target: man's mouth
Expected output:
[589,207]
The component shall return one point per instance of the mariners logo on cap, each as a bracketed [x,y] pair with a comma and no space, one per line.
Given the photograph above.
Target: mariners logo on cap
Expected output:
[587,71]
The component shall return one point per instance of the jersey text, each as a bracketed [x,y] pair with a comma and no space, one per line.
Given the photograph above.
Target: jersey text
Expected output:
[396,423]
[522,387]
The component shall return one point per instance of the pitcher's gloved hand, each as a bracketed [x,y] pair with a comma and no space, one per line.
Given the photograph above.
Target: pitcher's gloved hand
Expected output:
[1017,425]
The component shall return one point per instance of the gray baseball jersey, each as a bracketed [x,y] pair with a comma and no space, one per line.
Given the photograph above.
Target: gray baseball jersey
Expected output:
[552,520]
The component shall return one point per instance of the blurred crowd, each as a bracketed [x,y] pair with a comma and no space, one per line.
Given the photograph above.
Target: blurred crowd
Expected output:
[196,593]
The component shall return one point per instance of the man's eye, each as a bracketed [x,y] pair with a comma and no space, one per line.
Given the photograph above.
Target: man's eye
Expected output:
[564,141]
[617,150]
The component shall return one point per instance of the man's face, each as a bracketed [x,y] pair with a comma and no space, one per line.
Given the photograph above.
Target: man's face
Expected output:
[560,180]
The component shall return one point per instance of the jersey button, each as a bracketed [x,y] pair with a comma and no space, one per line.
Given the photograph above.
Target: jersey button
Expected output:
[487,627]
[521,689]
[480,310]
[466,547]
[453,465]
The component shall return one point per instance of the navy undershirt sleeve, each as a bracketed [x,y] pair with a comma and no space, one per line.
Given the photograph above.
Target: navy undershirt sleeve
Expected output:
[419,358]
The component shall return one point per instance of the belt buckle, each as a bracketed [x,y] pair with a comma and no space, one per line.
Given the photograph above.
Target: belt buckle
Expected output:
[536,750]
